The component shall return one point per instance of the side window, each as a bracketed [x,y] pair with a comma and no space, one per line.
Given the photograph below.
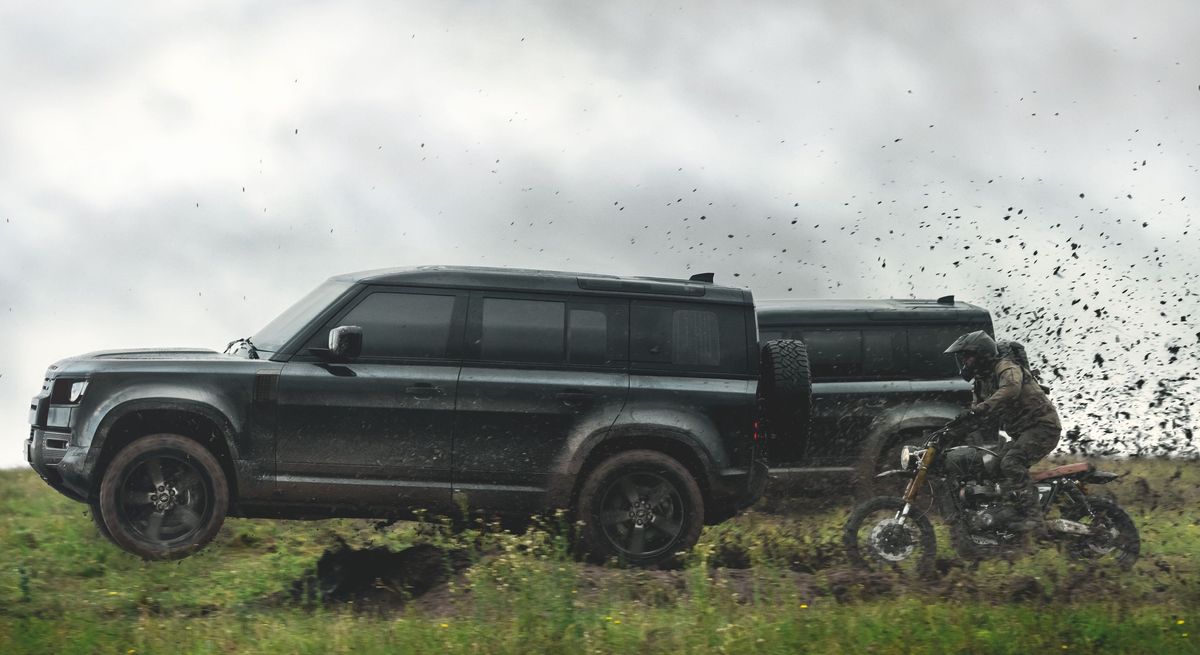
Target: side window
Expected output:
[883,352]
[588,333]
[689,336]
[835,353]
[523,330]
[401,325]
[926,346]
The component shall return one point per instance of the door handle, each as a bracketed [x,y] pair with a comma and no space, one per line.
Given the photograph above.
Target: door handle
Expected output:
[423,390]
[573,396]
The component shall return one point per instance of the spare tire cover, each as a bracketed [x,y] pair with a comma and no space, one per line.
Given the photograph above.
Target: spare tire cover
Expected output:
[785,391]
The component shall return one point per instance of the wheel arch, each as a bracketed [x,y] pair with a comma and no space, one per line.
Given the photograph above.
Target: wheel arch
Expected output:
[914,418]
[676,444]
[202,423]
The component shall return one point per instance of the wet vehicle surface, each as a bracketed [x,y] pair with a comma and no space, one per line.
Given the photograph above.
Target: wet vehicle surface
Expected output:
[630,401]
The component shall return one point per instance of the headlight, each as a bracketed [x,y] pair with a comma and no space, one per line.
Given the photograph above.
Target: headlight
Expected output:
[77,390]
[905,453]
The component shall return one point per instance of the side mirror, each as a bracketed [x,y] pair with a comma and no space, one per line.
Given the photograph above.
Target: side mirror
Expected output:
[345,342]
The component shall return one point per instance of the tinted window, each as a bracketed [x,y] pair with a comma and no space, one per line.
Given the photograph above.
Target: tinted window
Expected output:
[587,336]
[926,346]
[401,325]
[833,353]
[694,337]
[523,330]
[883,352]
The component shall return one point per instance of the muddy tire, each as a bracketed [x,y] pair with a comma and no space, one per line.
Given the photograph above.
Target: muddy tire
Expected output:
[785,391]
[875,541]
[1120,540]
[163,496]
[640,507]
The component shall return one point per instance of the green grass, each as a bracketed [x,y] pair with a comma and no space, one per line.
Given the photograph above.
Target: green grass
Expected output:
[64,589]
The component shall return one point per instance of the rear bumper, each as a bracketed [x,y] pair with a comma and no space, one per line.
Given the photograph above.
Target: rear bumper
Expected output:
[736,489]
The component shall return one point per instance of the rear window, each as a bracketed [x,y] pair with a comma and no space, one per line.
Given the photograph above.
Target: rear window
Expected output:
[688,336]
[895,353]
[926,350]
[840,353]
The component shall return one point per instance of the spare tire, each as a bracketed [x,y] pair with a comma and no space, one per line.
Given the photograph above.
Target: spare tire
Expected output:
[785,394]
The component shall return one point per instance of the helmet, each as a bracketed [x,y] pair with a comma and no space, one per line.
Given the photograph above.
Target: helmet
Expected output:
[977,343]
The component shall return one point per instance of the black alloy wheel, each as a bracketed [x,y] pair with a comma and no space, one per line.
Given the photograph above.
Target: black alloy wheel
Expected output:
[641,513]
[163,497]
[640,507]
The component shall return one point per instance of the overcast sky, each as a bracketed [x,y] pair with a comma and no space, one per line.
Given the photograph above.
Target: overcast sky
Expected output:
[175,174]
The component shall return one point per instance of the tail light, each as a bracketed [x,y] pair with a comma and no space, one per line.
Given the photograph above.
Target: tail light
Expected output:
[757,433]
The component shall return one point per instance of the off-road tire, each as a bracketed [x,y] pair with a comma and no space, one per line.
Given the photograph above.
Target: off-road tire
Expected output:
[1130,540]
[604,515]
[205,496]
[785,392]
[927,540]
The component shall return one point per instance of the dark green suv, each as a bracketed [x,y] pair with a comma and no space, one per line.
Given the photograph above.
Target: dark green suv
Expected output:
[879,381]
[630,401]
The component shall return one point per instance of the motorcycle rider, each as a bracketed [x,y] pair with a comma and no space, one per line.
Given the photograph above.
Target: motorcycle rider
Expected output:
[1009,394]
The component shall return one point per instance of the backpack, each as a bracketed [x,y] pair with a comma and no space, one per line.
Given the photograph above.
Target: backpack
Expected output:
[1014,351]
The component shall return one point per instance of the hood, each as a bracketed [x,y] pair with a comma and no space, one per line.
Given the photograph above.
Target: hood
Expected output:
[143,354]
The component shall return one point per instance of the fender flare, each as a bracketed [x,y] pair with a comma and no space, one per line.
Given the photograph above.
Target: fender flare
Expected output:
[572,478]
[931,417]
[128,407]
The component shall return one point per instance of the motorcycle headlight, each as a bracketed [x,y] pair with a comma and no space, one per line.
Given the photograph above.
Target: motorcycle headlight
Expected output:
[905,454]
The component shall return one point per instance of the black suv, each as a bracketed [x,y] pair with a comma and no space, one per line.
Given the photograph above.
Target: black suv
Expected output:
[630,401]
[879,378]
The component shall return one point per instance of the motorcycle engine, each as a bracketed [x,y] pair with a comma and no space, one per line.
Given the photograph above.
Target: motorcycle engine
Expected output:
[972,494]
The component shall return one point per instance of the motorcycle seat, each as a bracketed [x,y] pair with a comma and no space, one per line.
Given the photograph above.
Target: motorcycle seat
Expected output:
[1062,471]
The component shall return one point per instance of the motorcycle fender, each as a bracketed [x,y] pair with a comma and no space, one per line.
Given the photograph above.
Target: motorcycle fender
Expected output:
[895,474]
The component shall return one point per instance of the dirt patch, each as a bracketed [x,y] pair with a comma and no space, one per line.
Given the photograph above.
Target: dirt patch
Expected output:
[376,576]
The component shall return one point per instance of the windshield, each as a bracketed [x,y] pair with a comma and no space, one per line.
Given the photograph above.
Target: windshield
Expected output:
[286,325]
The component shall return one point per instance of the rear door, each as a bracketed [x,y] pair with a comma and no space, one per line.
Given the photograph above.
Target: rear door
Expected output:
[539,370]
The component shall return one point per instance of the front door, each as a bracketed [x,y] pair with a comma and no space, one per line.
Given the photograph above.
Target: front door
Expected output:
[375,431]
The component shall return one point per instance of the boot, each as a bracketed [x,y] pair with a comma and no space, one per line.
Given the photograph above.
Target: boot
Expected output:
[1028,514]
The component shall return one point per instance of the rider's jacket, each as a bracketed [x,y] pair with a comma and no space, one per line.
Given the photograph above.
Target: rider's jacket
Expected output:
[1013,396]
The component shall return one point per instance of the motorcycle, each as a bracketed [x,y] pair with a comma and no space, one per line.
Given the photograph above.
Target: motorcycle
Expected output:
[888,532]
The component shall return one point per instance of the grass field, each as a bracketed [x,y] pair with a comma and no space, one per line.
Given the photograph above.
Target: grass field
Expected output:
[772,580]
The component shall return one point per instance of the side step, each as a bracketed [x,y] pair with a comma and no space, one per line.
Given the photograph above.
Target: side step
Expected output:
[825,478]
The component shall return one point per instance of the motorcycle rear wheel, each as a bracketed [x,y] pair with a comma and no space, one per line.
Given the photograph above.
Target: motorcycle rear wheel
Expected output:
[1120,540]
[875,540]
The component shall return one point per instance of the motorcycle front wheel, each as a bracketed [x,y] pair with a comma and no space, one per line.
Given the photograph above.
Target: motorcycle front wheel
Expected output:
[877,540]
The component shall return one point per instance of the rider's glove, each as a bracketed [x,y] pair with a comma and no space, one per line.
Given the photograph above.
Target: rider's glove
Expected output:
[967,415]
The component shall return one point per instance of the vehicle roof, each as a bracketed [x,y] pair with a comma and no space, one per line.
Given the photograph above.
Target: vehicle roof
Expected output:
[831,311]
[517,279]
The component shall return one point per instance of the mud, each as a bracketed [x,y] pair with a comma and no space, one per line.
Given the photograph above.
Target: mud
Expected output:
[377,576]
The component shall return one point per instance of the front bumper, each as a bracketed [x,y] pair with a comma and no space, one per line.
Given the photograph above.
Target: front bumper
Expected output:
[57,462]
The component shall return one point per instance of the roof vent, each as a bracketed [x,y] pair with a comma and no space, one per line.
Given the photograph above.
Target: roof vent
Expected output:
[702,277]
[946,300]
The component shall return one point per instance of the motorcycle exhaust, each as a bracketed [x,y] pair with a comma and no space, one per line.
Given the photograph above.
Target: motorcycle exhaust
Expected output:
[1068,527]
